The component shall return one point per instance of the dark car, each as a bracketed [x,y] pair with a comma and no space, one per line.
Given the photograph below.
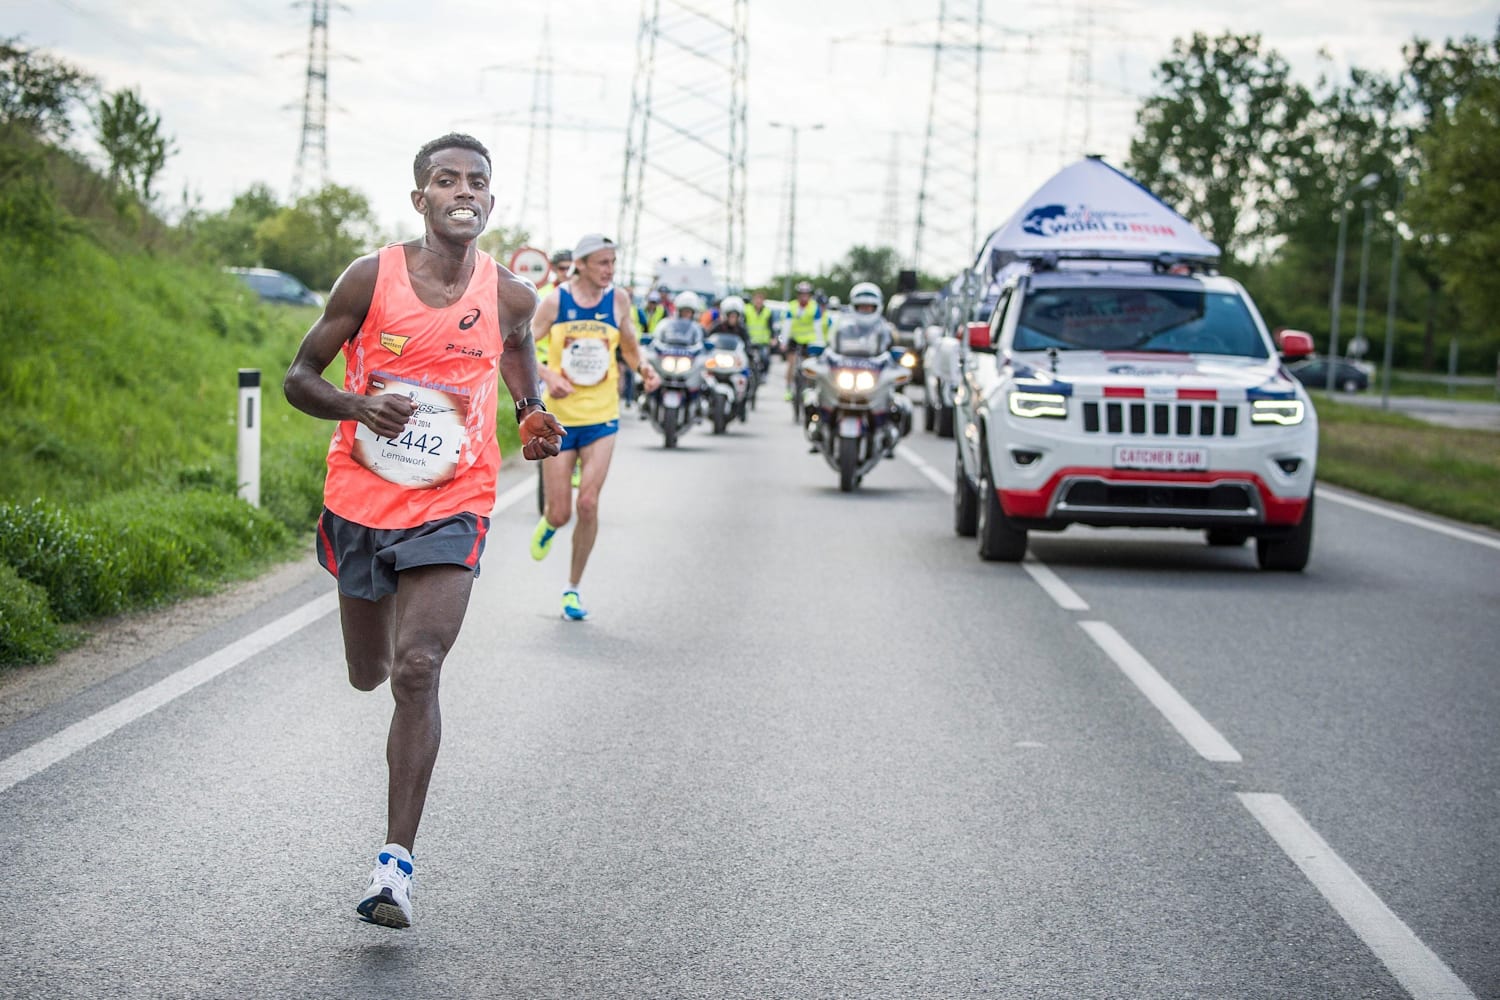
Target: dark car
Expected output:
[277,286]
[907,314]
[1313,373]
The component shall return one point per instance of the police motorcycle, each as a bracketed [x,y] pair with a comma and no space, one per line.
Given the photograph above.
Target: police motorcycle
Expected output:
[855,413]
[728,365]
[679,354]
[731,362]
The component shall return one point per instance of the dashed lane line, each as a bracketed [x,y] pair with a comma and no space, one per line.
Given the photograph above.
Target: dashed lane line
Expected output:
[1201,736]
[1415,966]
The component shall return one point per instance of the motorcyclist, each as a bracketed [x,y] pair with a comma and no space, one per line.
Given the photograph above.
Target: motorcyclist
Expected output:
[731,318]
[683,326]
[863,331]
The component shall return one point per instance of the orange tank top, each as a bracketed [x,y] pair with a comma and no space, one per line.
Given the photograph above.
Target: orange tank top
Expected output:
[446,459]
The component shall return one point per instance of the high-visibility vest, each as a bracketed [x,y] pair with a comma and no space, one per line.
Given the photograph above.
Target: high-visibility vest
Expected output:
[804,322]
[657,315]
[758,324]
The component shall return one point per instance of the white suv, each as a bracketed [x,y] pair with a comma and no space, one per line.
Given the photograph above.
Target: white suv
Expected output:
[1119,393]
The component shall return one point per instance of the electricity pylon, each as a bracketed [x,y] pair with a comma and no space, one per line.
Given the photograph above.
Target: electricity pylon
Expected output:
[312,151]
[683,188]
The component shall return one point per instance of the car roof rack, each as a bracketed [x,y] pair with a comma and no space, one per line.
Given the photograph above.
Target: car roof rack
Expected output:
[1163,263]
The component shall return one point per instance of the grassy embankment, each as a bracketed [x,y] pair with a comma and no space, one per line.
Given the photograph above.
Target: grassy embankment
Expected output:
[118,372]
[1454,473]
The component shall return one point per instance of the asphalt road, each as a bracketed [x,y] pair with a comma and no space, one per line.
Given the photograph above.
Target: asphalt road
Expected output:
[808,745]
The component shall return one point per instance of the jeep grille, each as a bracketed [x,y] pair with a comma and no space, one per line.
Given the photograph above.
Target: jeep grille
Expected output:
[1150,419]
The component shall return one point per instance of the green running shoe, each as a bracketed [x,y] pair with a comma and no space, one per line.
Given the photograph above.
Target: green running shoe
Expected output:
[577,471]
[541,539]
[572,608]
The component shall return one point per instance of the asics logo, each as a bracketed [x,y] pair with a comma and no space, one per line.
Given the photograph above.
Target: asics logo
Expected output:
[470,318]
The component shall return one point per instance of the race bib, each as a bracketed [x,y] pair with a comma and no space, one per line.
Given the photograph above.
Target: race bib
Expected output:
[425,454]
[586,361]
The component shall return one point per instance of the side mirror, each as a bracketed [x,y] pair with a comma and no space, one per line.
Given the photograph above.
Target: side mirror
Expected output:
[1294,343]
[979,337]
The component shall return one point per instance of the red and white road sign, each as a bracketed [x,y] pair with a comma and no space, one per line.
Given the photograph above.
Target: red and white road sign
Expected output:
[531,263]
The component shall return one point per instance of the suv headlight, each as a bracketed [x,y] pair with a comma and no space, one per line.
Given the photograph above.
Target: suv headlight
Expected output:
[1286,412]
[1038,404]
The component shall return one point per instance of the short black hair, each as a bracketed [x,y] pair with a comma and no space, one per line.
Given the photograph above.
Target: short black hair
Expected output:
[421,167]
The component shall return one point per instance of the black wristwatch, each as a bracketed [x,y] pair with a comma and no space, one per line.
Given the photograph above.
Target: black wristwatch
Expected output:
[528,403]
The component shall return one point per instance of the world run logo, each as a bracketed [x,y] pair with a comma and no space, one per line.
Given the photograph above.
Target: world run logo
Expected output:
[1079,220]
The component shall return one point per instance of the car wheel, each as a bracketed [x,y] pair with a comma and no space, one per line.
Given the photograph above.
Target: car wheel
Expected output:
[1289,553]
[965,500]
[999,539]
[945,422]
[1350,385]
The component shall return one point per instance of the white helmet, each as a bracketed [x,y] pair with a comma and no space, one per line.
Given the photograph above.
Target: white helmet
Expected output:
[866,292]
[688,300]
[833,302]
[732,304]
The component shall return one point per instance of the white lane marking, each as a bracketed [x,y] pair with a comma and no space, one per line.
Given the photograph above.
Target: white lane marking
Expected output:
[1419,971]
[1405,518]
[939,480]
[1065,596]
[1194,728]
[513,494]
[43,754]
[86,732]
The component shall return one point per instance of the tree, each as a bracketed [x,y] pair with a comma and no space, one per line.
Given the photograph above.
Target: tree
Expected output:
[1458,202]
[38,92]
[133,142]
[500,241]
[316,238]
[1215,142]
[228,237]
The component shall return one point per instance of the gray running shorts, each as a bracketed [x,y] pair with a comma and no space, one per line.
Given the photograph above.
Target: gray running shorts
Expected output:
[365,561]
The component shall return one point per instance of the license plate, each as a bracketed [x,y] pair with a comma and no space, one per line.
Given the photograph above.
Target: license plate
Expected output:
[672,398]
[849,427]
[1130,456]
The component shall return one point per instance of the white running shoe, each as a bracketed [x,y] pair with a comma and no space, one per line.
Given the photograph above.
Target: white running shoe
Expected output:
[387,901]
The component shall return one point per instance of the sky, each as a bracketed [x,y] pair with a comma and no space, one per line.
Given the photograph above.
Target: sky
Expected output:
[228,79]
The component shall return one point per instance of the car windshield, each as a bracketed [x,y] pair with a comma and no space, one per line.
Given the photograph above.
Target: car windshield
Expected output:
[910,314]
[680,333]
[276,286]
[1170,321]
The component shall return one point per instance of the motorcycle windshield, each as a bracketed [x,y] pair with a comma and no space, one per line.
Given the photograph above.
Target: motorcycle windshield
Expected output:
[727,342]
[862,337]
[680,333]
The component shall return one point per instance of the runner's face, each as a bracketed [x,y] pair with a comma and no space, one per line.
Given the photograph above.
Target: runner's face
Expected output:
[598,267]
[456,199]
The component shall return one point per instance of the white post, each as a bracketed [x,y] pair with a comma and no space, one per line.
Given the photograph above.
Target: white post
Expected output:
[249,436]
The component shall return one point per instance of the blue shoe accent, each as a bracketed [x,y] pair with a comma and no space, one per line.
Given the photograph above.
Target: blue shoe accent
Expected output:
[572,608]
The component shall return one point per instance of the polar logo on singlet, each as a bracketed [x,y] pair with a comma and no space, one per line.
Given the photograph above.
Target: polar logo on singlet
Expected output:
[470,318]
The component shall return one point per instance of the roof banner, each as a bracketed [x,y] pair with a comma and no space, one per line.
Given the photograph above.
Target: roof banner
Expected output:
[1091,209]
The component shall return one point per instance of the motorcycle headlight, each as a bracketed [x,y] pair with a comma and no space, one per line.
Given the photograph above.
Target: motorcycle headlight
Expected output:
[722,360]
[854,380]
[1038,404]
[909,360]
[676,364]
[1286,412]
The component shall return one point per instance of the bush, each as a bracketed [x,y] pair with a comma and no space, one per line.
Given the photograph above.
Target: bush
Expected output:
[71,563]
[28,631]
[168,545]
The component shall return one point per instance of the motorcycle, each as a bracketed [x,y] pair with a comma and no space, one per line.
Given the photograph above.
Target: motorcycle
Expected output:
[855,414]
[728,365]
[680,357]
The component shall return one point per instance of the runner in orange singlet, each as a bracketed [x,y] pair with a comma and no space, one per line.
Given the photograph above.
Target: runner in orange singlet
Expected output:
[427,329]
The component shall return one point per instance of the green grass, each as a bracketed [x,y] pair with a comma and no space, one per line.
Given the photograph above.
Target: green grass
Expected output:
[119,375]
[1404,384]
[1454,473]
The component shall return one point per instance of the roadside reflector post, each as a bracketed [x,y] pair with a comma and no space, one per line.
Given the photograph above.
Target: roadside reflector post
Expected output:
[249,436]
